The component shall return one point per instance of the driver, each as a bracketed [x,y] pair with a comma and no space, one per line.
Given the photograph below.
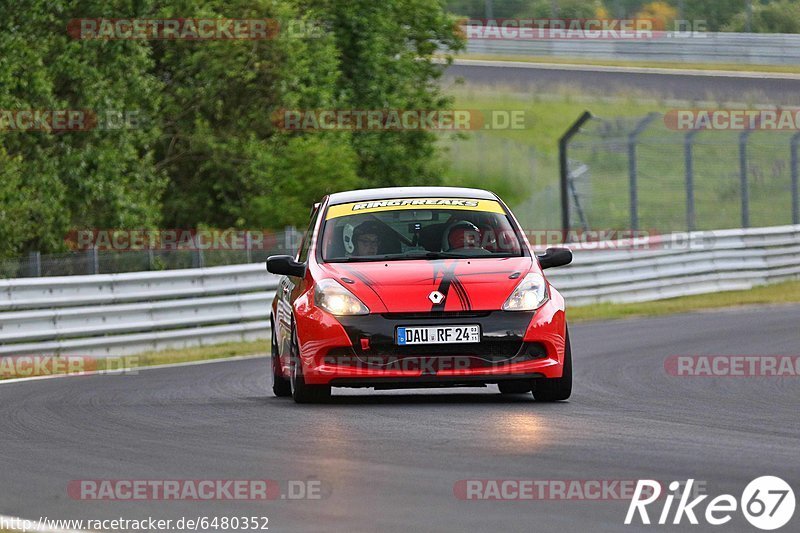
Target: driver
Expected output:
[463,235]
[366,238]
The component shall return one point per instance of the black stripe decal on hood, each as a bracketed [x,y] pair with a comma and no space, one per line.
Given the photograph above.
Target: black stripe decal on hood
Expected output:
[448,279]
[366,281]
[466,303]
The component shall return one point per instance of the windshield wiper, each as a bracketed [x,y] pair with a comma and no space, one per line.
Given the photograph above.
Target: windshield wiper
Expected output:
[354,259]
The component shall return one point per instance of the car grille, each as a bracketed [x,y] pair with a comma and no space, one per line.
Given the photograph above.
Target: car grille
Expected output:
[502,334]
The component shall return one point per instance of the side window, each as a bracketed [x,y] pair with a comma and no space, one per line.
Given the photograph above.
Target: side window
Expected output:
[308,237]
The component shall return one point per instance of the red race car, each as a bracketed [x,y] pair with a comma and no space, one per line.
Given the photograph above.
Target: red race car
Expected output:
[415,287]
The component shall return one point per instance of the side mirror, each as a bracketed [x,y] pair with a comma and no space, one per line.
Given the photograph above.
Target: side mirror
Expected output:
[285,265]
[555,257]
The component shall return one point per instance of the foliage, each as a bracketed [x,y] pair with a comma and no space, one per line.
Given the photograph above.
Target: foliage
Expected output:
[782,16]
[203,149]
[103,177]
[661,13]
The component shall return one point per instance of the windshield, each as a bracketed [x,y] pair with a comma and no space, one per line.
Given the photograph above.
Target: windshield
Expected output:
[418,228]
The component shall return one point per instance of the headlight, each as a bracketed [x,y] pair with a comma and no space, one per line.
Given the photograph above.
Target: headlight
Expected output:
[335,299]
[530,294]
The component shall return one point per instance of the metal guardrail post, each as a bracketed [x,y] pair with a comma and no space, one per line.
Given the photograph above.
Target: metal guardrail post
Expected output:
[633,138]
[795,202]
[744,190]
[563,143]
[688,140]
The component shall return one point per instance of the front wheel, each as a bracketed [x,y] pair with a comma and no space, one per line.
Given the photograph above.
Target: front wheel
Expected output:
[301,392]
[556,389]
[281,387]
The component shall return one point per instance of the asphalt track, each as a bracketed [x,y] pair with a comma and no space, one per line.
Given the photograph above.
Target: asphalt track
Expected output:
[766,88]
[388,461]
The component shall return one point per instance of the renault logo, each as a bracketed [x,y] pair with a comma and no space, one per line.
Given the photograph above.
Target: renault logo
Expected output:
[436,297]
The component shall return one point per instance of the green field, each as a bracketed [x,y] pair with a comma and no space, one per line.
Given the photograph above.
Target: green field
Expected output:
[515,163]
[522,165]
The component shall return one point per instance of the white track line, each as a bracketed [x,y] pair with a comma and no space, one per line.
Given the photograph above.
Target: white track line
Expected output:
[134,370]
[749,74]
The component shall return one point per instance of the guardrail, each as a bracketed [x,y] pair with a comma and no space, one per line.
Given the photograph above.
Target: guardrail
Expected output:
[122,314]
[681,265]
[697,47]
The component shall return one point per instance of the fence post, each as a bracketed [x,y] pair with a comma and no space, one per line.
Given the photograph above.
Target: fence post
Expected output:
[35,264]
[198,261]
[745,193]
[563,143]
[633,138]
[248,246]
[689,161]
[93,260]
[290,238]
[795,202]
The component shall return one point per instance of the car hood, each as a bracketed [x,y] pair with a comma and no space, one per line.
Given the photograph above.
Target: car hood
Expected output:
[481,284]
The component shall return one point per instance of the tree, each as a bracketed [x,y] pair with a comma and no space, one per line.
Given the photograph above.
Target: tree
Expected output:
[228,166]
[661,13]
[385,52]
[57,180]
[782,16]
[204,150]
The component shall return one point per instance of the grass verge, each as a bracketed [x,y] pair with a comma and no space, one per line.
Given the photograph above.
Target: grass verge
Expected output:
[778,293]
[201,353]
[73,364]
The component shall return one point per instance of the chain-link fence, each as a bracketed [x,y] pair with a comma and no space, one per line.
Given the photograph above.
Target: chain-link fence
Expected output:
[94,261]
[521,176]
[639,174]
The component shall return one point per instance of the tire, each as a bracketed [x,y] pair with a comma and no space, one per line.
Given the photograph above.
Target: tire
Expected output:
[514,387]
[301,392]
[556,389]
[281,387]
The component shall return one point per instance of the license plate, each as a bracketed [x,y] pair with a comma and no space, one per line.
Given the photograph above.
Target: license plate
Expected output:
[438,334]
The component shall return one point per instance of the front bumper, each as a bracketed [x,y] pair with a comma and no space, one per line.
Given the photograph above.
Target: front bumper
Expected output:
[360,351]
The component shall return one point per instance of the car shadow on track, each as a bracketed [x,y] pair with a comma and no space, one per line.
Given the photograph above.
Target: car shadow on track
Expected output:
[421,398]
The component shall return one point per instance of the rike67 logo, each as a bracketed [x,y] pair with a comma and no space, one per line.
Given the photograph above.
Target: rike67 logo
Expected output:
[767,502]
